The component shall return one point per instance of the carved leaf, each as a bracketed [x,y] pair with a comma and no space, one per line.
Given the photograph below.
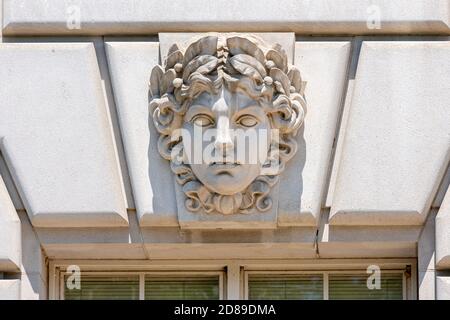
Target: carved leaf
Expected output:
[167,81]
[203,46]
[249,60]
[278,75]
[279,58]
[172,49]
[201,64]
[237,45]
[173,58]
[246,69]
[295,78]
[155,80]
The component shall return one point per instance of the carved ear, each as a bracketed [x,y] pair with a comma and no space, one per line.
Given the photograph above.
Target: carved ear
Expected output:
[203,46]
[155,80]
[237,45]
[279,76]
[295,78]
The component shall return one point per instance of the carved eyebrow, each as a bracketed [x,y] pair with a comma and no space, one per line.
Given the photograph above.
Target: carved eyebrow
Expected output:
[200,86]
[196,109]
[254,110]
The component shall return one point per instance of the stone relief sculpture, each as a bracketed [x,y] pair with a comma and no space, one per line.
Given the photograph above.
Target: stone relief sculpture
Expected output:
[232,86]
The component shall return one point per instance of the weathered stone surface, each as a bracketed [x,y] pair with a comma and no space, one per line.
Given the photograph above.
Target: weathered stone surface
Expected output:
[443,234]
[427,285]
[9,289]
[305,179]
[55,135]
[130,64]
[9,183]
[442,288]
[399,117]
[151,16]
[10,244]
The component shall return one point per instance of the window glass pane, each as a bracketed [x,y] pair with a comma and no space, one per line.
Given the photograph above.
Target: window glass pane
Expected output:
[194,288]
[105,288]
[355,287]
[275,287]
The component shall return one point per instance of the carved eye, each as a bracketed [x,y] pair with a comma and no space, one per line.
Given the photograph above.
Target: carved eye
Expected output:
[202,120]
[247,121]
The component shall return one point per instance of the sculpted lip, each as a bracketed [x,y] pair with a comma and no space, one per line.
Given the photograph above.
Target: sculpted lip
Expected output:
[224,165]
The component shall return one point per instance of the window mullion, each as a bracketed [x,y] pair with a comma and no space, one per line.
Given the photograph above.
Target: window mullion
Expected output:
[325,286]
[141,286]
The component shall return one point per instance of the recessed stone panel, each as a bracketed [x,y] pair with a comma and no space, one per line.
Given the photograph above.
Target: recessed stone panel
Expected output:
[397,139]
[323,65]
[9,289]
[55,135]
[10,248]
[442,288]
[130,64]
[443,234]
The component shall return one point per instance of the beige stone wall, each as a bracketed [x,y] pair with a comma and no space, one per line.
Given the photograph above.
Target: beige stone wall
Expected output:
[81,178]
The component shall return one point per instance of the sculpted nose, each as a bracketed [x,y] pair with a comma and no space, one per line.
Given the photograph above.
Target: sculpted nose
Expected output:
[224,142]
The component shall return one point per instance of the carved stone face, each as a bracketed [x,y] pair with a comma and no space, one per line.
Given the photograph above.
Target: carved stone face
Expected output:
[230,97]
[228,114]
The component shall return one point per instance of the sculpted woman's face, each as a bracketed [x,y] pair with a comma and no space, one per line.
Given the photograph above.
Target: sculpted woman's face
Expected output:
[234,141]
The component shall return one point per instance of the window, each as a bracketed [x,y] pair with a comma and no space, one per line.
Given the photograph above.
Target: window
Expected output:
[285,287]
[200,288]
[325,285]
[105,288]
[354,287]
[294,279]
[149,286]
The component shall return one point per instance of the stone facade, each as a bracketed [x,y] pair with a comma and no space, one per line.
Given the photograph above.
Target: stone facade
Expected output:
[82,179]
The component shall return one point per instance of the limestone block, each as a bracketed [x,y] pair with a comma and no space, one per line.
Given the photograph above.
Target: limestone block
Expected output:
[10,187]
[151,16]
[426,246]
[442,190]
[396,143]
[1,19]
[427,285]
[33,287]
[9,289]
[305,179]
[130,64]
[55,135]
[443,234]
[10,244]
[442,288]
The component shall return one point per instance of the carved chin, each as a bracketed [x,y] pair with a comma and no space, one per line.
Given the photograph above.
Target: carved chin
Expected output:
[227,182]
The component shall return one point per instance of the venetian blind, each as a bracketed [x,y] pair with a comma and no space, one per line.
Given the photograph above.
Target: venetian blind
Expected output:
[355,287]
[105,288]
[302,287]
[194,288]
